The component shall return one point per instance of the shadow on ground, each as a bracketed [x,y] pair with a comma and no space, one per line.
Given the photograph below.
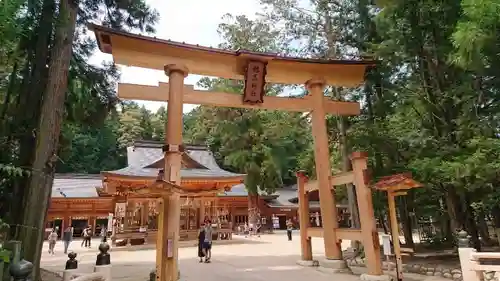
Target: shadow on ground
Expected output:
[222,268]
[188,244]
[227,268]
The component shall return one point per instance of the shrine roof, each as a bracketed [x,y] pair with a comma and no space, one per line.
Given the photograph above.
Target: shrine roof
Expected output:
[145,159]
[154,53]
[76,186]
[144,153]
[288,198]
[185,173]
[402,181]
[240,190]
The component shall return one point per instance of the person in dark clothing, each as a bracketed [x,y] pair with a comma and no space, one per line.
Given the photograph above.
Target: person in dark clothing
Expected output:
[67,238]
[289,228]
[207,243]
[201,240]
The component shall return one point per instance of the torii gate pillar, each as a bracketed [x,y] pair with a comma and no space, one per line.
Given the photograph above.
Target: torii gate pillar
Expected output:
[323,170]
[167,247]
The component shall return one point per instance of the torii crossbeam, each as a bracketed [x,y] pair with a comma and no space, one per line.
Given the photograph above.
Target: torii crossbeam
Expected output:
[211,98]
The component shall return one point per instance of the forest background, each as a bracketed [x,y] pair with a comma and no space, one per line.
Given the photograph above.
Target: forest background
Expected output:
[429,107]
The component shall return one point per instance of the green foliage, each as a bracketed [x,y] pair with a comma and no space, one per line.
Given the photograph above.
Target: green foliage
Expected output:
[46,81]
[262,144]
[431,106]
[476,34]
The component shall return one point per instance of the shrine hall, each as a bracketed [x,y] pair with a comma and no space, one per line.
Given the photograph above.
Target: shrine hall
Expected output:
[102,201]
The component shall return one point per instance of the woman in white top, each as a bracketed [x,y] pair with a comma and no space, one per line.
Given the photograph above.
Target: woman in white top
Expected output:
[52,241]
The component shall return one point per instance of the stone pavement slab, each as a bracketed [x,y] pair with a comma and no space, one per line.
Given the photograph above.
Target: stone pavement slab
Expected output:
[273,258]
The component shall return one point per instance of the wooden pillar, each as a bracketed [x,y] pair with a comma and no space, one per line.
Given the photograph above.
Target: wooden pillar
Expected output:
[369,231]
[127,214]
[168,229]
[231,213]
[93,220]
[202,211]
[144,213]
[323,170]
[305,240]
[391,200]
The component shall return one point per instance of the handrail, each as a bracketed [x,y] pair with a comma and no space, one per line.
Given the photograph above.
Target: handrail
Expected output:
[485,255]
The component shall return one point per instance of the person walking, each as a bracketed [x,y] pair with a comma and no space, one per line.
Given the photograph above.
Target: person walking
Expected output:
[207,243]
[103,233]
[67,238]
[289,228]
[87,237]
[52,241]
[201,240]
[246,230]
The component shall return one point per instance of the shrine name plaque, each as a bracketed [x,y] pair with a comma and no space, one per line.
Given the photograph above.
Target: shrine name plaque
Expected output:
[255,80]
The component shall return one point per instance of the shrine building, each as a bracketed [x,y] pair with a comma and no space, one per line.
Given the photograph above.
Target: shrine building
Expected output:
[80,200]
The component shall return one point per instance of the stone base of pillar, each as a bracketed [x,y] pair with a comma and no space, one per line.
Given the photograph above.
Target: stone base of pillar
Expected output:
[368,277]
[334,266]
[310,263]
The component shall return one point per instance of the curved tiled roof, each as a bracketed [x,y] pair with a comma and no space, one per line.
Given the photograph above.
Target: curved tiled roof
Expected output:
[287,198]
[241,190]
[145,154]
[185,173]
[76,186]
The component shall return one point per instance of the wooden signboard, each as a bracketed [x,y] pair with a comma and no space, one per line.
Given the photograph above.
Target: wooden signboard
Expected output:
[255,80]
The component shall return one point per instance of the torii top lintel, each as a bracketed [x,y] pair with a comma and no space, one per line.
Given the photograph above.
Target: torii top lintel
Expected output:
[150,52]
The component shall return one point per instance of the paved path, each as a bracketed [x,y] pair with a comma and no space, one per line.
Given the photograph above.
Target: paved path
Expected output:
[270,257]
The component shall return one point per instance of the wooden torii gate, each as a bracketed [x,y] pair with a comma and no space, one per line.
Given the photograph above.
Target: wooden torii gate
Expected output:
[368,234]
[178,60]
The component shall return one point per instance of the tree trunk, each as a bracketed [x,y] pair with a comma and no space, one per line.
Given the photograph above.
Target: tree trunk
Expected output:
[469,222]
[483,228]
[453,208]
[29,105]
[495,213]
[10,90]
[446,227]
[47,138]
[346,166]
[382,221]
[253,209]
[404,211]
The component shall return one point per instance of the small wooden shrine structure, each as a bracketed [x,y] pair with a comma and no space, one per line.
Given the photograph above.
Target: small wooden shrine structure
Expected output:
[136,212]
[396,185]
[178,60]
